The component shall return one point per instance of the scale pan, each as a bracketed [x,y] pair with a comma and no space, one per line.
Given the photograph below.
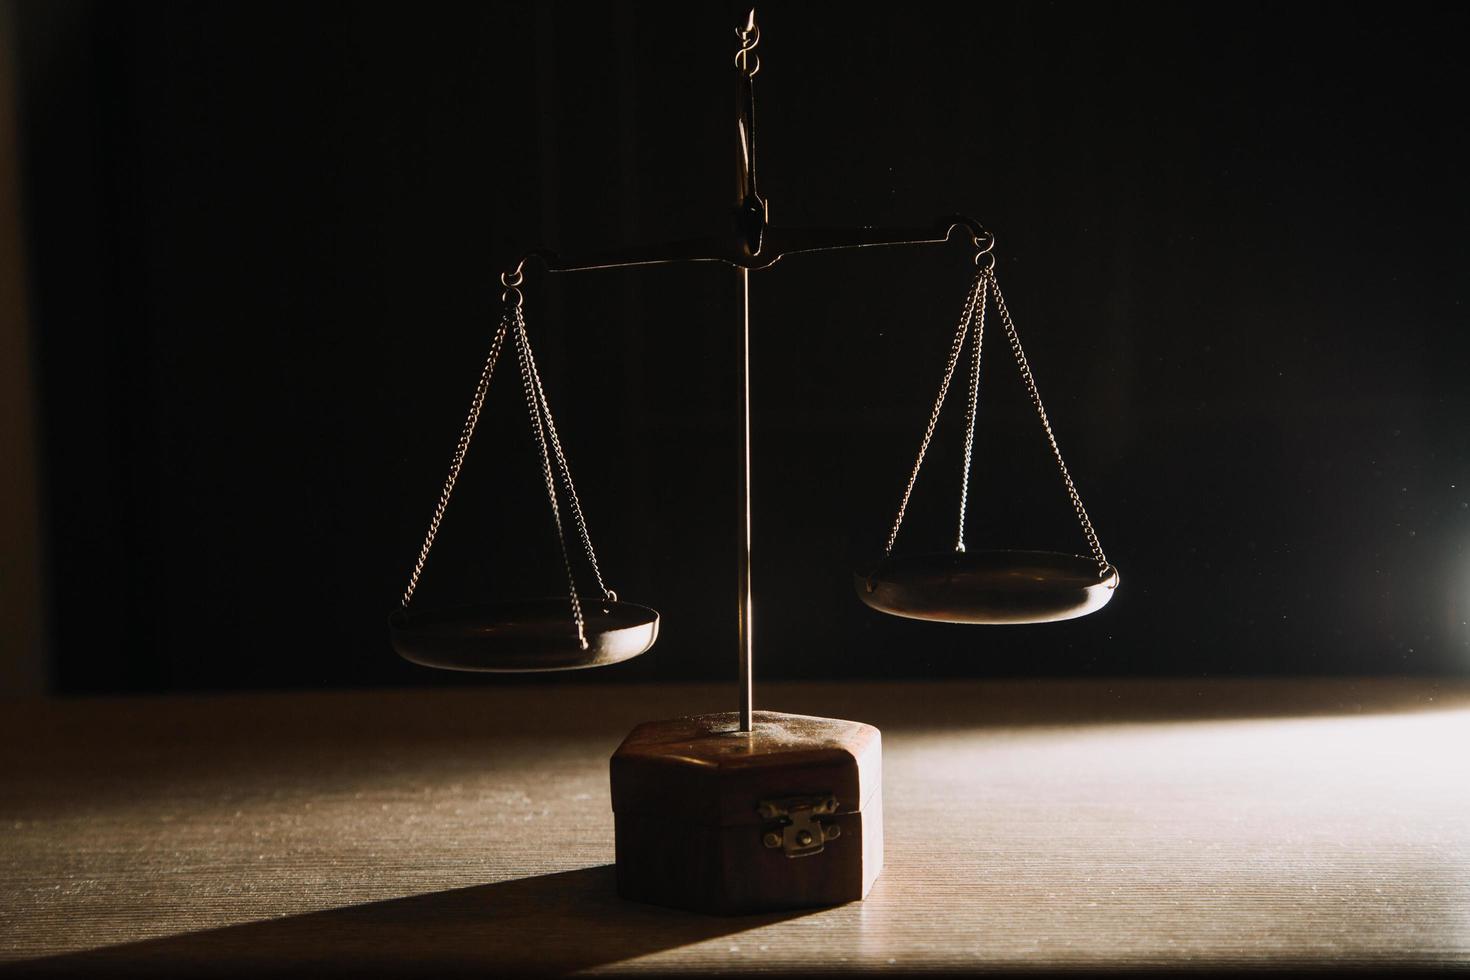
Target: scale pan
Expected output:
[522,636]
[988,587]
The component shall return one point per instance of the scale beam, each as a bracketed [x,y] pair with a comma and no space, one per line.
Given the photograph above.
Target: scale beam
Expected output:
[775,244]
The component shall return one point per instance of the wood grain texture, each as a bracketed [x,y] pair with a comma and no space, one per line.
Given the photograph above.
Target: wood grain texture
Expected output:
[1031,825]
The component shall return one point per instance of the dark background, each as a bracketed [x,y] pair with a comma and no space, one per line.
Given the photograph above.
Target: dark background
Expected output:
[263,243]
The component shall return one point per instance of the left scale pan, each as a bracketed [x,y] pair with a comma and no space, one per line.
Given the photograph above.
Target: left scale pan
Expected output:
[568,632]
[525,635]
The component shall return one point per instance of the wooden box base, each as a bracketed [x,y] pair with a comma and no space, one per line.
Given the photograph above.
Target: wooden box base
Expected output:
[789,815]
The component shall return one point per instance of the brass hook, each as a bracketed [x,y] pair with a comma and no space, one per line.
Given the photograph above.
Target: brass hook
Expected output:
[510,280]
[984,242]
[750,36]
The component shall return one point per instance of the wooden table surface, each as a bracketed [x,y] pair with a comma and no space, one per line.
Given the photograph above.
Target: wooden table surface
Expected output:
[1030,825]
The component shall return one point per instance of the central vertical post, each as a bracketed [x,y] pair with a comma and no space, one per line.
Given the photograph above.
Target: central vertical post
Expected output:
[750,226]
[747,632]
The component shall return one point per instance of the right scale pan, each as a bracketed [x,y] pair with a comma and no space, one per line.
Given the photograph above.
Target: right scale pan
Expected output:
[987,587]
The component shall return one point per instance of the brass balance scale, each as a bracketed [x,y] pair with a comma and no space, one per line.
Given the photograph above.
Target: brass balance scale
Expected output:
[749,810]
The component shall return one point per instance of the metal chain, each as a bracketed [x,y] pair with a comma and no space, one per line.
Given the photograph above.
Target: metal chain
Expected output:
[465,435]
[529,383]
[976,291]
[970,412]
[1025,367]
[566,479]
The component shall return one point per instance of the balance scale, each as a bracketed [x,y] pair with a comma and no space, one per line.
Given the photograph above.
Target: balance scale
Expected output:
[748,810]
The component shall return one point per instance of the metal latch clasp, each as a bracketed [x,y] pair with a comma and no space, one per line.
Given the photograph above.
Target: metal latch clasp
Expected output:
[800,834]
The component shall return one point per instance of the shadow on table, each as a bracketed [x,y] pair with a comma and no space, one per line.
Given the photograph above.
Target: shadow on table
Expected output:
[549,924]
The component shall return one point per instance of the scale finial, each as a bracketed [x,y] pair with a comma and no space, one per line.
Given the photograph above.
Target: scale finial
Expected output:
[750,36]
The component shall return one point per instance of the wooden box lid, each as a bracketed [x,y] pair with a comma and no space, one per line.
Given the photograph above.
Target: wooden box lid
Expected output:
[702,769]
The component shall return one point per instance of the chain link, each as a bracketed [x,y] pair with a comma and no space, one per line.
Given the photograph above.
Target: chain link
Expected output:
[548,441]
[971,407]
[466,434]
[1030,382]
[974,315]
[566,479]
[966,315]
[530,381]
